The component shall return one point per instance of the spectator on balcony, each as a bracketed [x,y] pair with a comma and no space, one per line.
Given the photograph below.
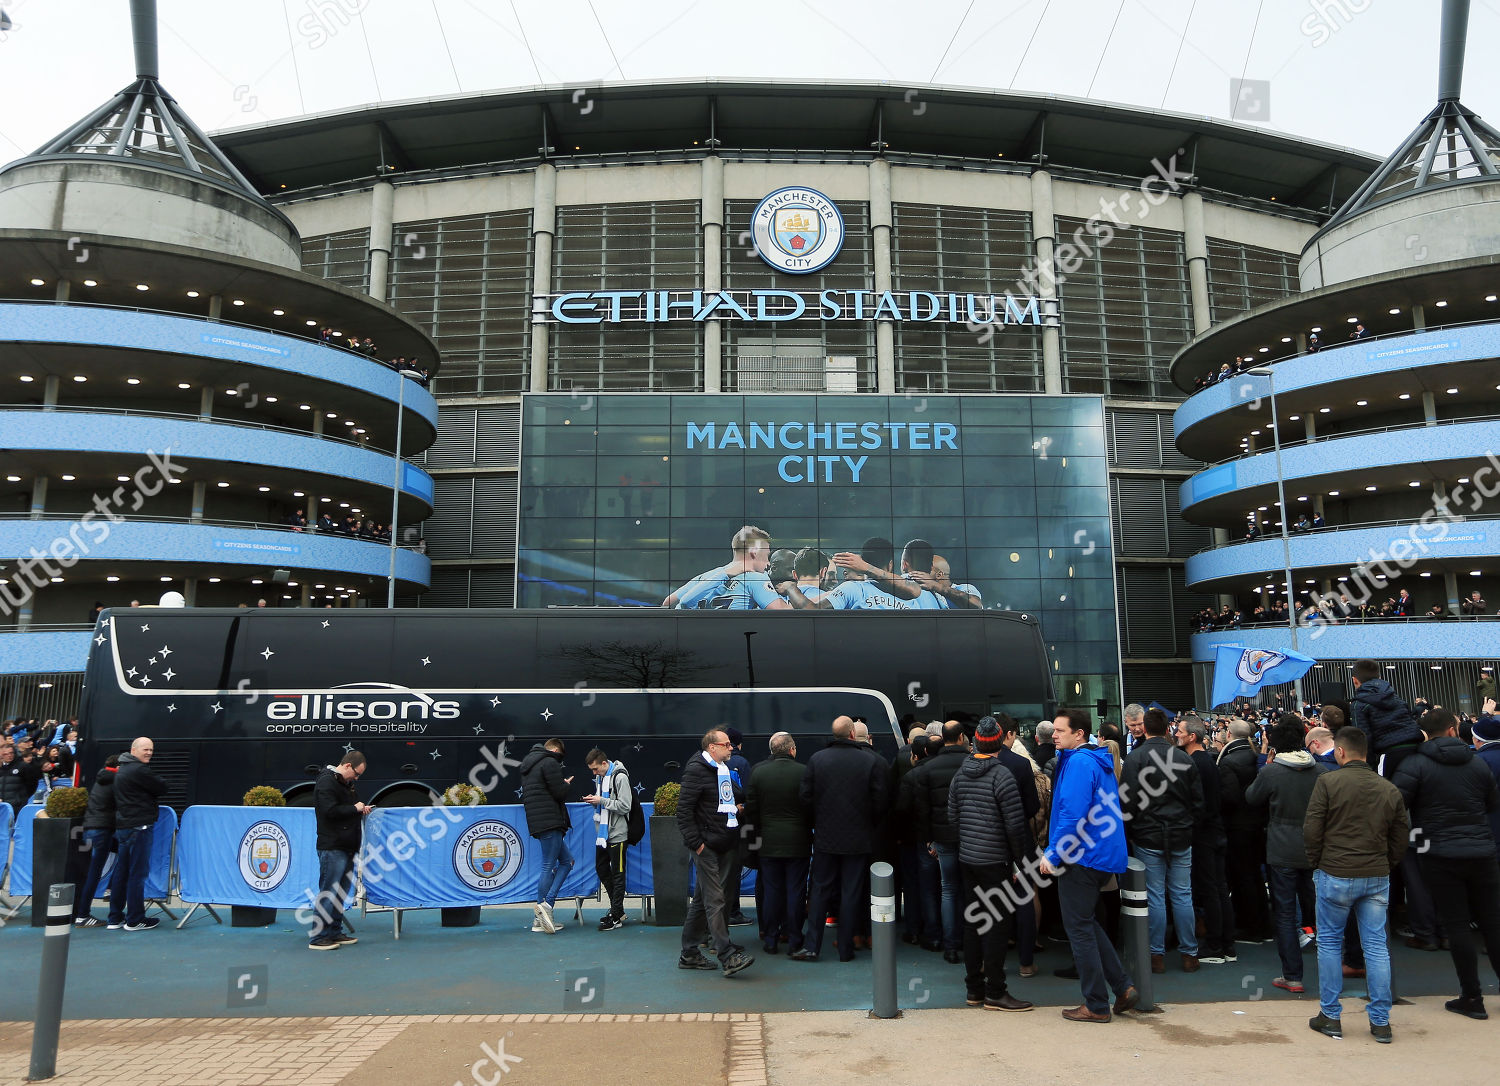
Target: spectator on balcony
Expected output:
[1226,371]
[1401,606]
[1252,530]
[325,335]
[1318,521]
[297,521]
[1314,344]
[1436,612]
[1474,605]
[1302,523]
[1359,332]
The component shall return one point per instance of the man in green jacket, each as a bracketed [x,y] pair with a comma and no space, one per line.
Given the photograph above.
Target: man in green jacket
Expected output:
[1356,831]
[773,805]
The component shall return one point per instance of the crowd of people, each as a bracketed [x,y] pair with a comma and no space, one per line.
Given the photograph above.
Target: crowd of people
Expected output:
[339,524]
[36,755]
[1332,612]
[1233,369]
[364,345]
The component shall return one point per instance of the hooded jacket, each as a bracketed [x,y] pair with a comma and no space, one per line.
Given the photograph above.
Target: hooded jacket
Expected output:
[1285,786]
[1163,795]
[984,807]
[1386,720]
[1451,794]
[1087,826]
[544,792]
[138,793]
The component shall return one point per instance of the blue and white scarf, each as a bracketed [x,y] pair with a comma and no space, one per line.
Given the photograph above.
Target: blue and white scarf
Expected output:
[726,791]
[601,812]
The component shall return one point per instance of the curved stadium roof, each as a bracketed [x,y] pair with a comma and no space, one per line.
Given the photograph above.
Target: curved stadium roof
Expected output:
[625,121]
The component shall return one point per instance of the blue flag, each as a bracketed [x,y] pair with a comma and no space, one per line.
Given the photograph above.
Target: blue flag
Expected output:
[1158,705]
[1241,672]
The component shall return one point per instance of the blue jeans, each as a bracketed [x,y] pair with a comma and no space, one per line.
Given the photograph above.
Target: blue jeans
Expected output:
[98,842]
[335,884]
[127,887]
[1095,956]
[1367,899]
[941,890]
[1170,873]
[1287,884]
[557,861]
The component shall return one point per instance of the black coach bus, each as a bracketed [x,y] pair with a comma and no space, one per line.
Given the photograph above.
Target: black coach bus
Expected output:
[236,698]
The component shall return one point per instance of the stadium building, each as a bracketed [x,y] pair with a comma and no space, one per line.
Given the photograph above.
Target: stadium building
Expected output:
[598,268]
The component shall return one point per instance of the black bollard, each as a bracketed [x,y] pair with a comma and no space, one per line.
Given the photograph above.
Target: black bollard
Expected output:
[1135,931]
[883,938]
[54,976]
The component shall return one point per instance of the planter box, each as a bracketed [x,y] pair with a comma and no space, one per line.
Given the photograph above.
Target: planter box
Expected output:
[669,872]
[58,855]
[251,916]
[461,916]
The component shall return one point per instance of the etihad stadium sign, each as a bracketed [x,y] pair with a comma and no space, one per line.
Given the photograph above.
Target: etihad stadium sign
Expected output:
[797,231]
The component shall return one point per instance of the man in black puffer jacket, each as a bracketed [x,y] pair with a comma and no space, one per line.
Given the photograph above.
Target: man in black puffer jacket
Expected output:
[544,793]
[984,806]
[98,835]
[1451,794]
[942,886]
[845,787]
[1245,832]
[708,810]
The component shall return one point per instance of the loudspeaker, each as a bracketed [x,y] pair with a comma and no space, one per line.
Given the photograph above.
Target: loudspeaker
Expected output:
[1101,707]
[280,576]
[1331,692]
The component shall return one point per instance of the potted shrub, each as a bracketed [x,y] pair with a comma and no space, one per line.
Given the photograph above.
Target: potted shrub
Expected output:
[257,916]
[669,860]
[57,849]
[461,795]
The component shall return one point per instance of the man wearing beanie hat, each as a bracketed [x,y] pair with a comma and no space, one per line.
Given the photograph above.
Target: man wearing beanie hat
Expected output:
[984,805]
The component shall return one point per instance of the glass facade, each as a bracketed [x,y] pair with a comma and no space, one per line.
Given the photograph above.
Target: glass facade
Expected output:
[627,499]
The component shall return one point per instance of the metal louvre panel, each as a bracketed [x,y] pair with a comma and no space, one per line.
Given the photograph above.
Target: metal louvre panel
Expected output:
[1134,438]
[449,530]
[1141,516]
[1185,539]
[1241,277]
[454,445]
[1170,684]
[1170,457]
[492,587]
[1147,619]
[498,435]
[339,258]
[450,588]
[495,500]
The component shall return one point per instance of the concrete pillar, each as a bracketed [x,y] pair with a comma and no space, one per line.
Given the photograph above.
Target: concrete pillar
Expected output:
[64,290]
[1450,586]
[1195,245]
[200,495]
[1418,317]
[318,421]
[305,597]
[1044,243]
[50,387]
[38,497]
[311,512]
[1301,342]
[1310,426]
[382,222]
[880,236]
[215,306]
[713,268]
[1429,408]
[205,404]
[543,230]
[23,616]
[190,591]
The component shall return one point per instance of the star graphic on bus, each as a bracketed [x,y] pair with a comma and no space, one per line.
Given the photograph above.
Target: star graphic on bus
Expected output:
[434,755]
[495,701]
[167,674]
[546,714]
[145,628]
[426,660]
[216,707]
[639,787]
[266,653]
[325,624]
[519,791]
[171,708]
[145,680]
[99,640]
[132,673]
[164,652]
[478,729]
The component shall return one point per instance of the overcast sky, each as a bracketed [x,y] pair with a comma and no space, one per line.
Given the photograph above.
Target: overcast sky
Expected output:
[1356,73]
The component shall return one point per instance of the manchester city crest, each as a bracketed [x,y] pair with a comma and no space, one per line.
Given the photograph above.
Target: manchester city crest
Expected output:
[265,856]
[487,855]
[797,230]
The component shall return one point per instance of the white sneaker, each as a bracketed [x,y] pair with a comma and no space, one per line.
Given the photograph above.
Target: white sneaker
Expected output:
[536,925]
[544,917]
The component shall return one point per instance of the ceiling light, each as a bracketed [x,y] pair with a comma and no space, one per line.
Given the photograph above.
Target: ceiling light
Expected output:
[1369,489]
[348,422]
[122,478]
[1302,497]
[1361,403]
[183,385]
[320,586]
[325,499]
[80,378]
[213,580]
[231,392]
[38,282]
[1394,312]
[312,324]
[1293,418]
[166,579]
[12,478]
[1404,396]
[1489,297]
[1473,573]
[132,380]
[27,378]
[1318,329]
[223,484]
[142,286]
[1286,339]
[279,312]
[1254,433]
[303,407]
[238,301]
[1324,410]
[255,580]
[1415,482]
[1465,479]
[1333,493]
[343,505]
[56,580]
[1428,573]
[91,282]
[291,584]
[1453,392]
[297,494]
[332,415]
[1351,320]
[69,478]
[270,399]
[1263,350]
[1441,305]
[192,294]
[264,489]
[111,577]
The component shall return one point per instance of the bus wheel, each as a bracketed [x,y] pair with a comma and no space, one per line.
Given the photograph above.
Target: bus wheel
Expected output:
[409,794]
[299,796]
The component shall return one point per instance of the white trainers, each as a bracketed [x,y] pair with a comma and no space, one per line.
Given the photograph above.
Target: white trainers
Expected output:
[536,925]
[544,917]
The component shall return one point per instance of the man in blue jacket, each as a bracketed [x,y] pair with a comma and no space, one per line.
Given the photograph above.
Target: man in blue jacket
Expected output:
[1086,848]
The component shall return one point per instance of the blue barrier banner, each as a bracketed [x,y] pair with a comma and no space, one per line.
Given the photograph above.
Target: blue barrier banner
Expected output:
[448,857]
[638,865]
[157,875]
[7,821]
[263,856]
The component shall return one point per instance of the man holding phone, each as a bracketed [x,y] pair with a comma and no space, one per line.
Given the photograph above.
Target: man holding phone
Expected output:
[340,832]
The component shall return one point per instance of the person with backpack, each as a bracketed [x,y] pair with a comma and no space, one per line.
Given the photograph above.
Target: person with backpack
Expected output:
[615,810]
